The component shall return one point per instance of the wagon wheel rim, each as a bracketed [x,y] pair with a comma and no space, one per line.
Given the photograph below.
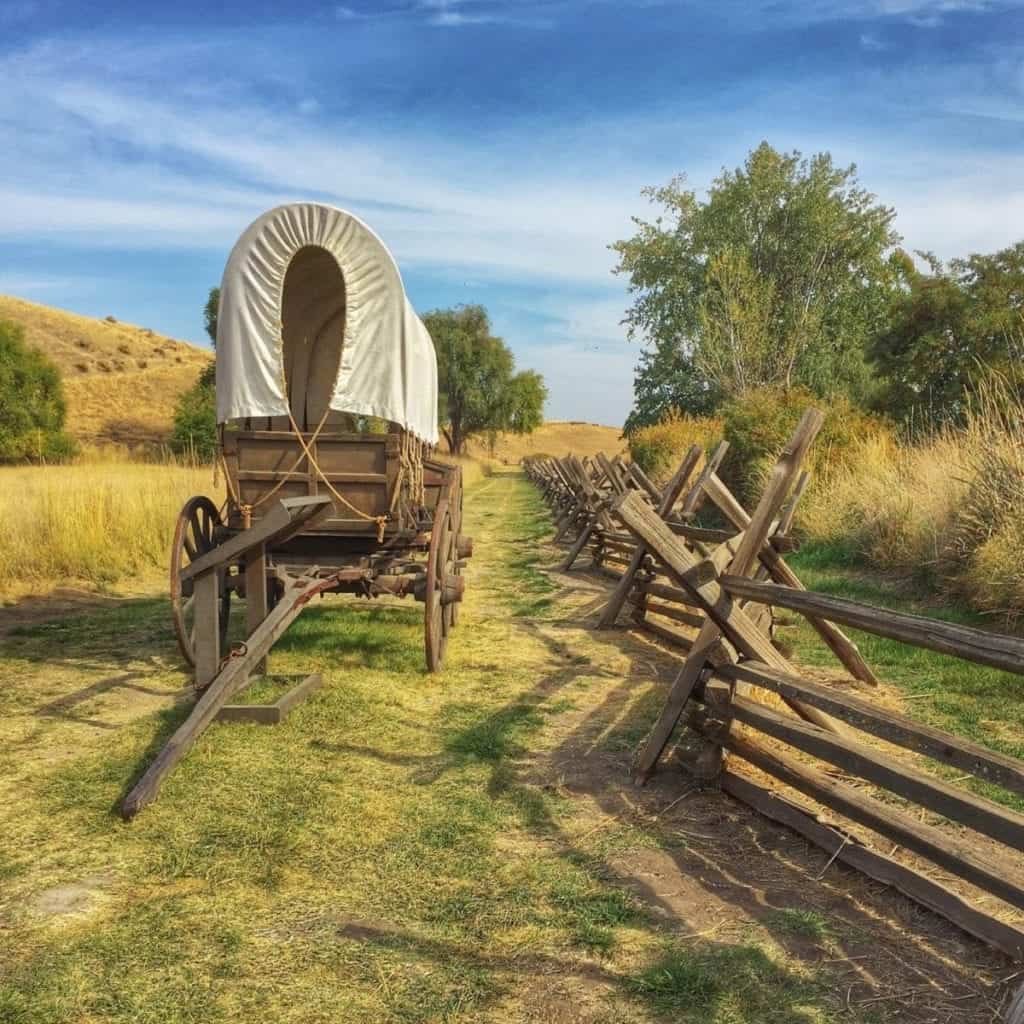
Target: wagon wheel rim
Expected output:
[195,533]
[453,608]
[438,564]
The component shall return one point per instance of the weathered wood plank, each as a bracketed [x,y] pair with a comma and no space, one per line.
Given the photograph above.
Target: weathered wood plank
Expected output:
[936,897]
[1001,878]
[999,823]
[276,713]
[285,519]
[841,645]
[228,681]
[695,496]
[951,750]
[256,596]
[996,650]
[674,489]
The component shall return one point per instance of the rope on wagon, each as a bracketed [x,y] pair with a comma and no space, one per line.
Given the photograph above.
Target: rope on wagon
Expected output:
[381,521]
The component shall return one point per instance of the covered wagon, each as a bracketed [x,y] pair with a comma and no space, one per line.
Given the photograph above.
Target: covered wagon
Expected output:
[327,421]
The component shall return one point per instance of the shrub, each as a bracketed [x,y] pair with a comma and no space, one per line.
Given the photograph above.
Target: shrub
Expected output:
[944,510]
[195,419]
[758,423]
[32,406]
[658,449]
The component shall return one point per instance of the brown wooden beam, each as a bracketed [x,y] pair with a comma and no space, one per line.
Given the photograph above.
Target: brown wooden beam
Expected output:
[936,897]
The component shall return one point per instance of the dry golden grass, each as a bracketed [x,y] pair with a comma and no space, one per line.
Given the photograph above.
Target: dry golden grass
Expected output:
[106,520]
[473,469]
[122,381]
[948,508]
[555,437]
[658,449]
[96,523]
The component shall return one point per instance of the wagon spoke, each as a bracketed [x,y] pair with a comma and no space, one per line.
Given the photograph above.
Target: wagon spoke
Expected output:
[194,536]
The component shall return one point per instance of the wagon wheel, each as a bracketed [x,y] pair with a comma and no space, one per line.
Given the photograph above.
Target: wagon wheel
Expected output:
[194,535]
[452,610]
[440,559]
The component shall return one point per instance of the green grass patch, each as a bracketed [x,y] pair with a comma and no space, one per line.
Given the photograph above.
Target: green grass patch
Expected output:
[979,703]
[728,985]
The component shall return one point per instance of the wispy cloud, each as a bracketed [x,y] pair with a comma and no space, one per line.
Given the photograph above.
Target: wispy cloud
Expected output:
[166,145]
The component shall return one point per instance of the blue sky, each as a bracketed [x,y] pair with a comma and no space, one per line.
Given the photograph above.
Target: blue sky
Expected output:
[498,146]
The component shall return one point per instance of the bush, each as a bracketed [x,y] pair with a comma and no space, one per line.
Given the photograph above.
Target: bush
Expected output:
[659,449]
[758,423]
[944,511]
[32,406]
[195,419]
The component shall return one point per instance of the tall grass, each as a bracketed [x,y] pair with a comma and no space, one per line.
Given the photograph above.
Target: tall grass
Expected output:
[657,449]
[946,510]
[106,519]
[96,522]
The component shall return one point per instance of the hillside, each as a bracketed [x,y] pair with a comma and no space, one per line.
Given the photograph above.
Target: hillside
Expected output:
[555,437]
[122,381]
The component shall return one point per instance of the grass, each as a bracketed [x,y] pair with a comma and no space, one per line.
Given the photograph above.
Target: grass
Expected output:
[553,437]
[738,985]
[97,522]
[387,855]
[105,521]
[981,703]
[944,512]
[799,921]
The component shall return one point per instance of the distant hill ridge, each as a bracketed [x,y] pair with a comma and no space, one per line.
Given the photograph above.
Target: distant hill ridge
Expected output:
[554,437]
[122,381]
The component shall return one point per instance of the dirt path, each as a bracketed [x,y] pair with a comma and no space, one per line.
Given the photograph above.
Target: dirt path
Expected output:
[711,869]
[411,849]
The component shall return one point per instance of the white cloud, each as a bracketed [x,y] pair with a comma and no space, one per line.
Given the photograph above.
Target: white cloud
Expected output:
[107,158]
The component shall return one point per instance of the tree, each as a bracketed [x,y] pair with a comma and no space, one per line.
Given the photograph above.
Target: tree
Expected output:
[949,329]
[32,405]
[210,311]
[195,415]
[195,418]
[778,278]
[666,382]
[478,390]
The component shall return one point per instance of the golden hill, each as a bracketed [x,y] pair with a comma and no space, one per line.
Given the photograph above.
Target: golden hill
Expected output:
[122,381]
[555,437]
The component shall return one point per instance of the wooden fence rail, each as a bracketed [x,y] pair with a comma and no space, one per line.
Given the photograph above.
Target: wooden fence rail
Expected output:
[709,589]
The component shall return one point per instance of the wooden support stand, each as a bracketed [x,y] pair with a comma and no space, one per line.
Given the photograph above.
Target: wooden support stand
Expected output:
[276,713]
[221,680]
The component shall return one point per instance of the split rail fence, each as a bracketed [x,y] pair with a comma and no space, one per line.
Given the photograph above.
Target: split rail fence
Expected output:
[725,584]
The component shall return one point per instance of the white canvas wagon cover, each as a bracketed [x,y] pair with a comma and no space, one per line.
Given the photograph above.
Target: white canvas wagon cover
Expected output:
[286,312]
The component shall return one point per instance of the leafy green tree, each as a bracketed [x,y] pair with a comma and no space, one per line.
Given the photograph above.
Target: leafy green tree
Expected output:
[478,390]
[210,311]
[667,381]
[32,405]
[949,329]
[195,418]
[779,278]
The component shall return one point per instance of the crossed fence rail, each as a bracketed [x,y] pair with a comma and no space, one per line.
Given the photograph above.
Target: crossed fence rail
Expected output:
[723,586]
